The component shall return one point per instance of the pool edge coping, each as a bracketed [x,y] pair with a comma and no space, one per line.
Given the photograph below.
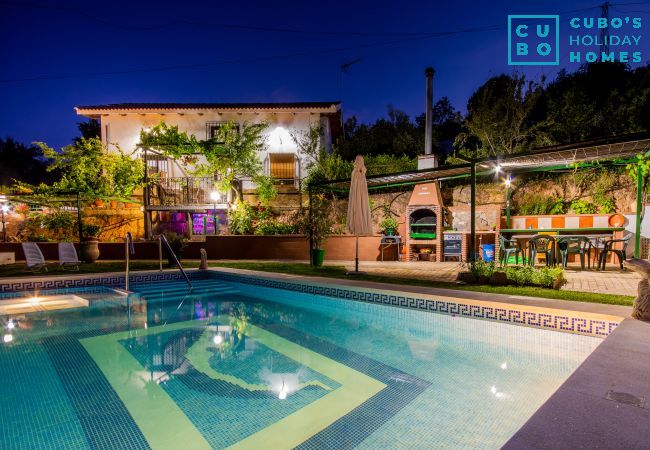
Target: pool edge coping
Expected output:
[549,314]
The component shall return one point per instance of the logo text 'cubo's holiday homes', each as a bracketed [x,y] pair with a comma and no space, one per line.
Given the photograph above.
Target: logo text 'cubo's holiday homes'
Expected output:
[533,40]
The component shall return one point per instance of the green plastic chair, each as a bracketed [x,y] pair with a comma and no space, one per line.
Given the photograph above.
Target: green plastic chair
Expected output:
[577,245]
[543,244]
[622,255]
[508,248]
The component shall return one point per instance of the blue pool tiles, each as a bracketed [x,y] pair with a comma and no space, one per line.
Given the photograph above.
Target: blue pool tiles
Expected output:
[515,314]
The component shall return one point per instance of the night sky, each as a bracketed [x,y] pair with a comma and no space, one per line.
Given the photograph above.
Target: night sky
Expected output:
[81,37]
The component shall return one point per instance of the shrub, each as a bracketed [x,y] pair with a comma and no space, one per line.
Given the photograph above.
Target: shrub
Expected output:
[548,277]
[388,223]
[273,226]
[91,230]
[241,218]
[535,204]
[581,206]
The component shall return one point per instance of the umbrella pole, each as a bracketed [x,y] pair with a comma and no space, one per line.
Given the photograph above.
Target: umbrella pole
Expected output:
[356,256]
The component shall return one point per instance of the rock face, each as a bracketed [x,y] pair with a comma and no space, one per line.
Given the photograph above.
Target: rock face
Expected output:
[641,308]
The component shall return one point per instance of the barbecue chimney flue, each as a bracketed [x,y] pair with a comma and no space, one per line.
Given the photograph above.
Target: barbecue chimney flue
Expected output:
[428,127]
[428,160]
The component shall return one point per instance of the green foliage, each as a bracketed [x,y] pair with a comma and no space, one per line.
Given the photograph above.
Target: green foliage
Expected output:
[581,206]
[266,189]
[247,219]
[536,204]
[310,146]
[55,225]
[241,218]
[483,268]
[59,220]
[333,167]
[547,277]
[640,165]
[500,117]
[597,100]
[388,223]
[23,163]
[90,230]
[168,140]
[231,156]
[273,226]
[398,135]
[87,167]
[321,220]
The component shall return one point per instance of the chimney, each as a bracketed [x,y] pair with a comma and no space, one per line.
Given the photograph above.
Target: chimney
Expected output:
[429,160]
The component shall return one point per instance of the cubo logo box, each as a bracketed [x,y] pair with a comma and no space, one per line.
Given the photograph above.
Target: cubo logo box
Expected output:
[533,40]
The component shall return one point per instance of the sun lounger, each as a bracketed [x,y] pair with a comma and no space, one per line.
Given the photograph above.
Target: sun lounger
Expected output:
[68,256]
[34,257]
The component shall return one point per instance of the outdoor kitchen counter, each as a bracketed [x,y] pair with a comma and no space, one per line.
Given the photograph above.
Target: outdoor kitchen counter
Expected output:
[561,230]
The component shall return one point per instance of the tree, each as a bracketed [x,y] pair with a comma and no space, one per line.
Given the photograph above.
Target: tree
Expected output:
[599,99]
[26,164]
[500,117]
[446,125]
[89,129]
[397,135]
[230,157]
[87,167]
[309,144]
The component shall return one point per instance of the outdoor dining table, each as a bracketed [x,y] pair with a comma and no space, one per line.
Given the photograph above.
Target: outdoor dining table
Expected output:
[596,242]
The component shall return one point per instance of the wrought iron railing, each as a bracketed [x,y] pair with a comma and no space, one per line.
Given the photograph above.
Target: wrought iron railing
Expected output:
[181,191]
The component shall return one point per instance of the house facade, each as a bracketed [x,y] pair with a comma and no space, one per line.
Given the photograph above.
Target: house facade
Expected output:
[177,191]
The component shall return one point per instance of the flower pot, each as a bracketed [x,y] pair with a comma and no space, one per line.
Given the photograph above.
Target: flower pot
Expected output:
[99,203]
[389,232]
[89,250]
[317,257]
[113,204]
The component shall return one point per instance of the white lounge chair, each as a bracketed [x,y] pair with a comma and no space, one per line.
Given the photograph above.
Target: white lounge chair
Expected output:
[34,257]
[68,256]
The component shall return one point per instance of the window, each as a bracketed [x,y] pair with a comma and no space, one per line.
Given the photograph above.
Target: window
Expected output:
[217,130]
[282,167]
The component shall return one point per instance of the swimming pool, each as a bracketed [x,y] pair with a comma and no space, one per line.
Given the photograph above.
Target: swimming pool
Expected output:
[233,364]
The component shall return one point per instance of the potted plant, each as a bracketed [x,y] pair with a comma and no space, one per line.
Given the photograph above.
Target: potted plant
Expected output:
[177,244]
[320,227]
[90,243]
[389,225]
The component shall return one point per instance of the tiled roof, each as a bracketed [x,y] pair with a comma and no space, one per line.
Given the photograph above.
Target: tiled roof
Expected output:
[224,106]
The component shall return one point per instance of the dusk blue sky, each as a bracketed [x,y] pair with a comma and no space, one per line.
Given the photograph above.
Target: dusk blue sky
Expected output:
[47,42]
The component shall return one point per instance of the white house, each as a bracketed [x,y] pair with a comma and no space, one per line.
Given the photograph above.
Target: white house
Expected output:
[178,191]
[121,125]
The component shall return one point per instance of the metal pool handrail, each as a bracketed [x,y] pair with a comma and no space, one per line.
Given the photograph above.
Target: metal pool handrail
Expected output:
[129,249]
[162,239]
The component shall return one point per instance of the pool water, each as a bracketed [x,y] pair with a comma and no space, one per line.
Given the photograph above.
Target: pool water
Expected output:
[235,365]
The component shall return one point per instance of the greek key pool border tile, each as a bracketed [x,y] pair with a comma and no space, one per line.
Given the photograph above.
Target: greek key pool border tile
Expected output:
[59,282]
[518,316]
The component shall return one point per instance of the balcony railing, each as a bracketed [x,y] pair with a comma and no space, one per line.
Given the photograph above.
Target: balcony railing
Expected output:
[181,191]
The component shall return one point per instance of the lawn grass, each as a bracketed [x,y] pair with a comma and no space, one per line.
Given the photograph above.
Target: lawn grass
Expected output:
[16,270]
[340,272]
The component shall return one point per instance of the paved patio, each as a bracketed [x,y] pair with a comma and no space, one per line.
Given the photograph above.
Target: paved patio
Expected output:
[611,281]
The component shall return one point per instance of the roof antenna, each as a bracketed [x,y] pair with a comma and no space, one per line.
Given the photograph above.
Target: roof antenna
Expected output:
[345,68]
[604,32]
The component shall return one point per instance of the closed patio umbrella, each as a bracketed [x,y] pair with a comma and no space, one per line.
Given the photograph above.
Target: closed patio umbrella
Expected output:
[359,220]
